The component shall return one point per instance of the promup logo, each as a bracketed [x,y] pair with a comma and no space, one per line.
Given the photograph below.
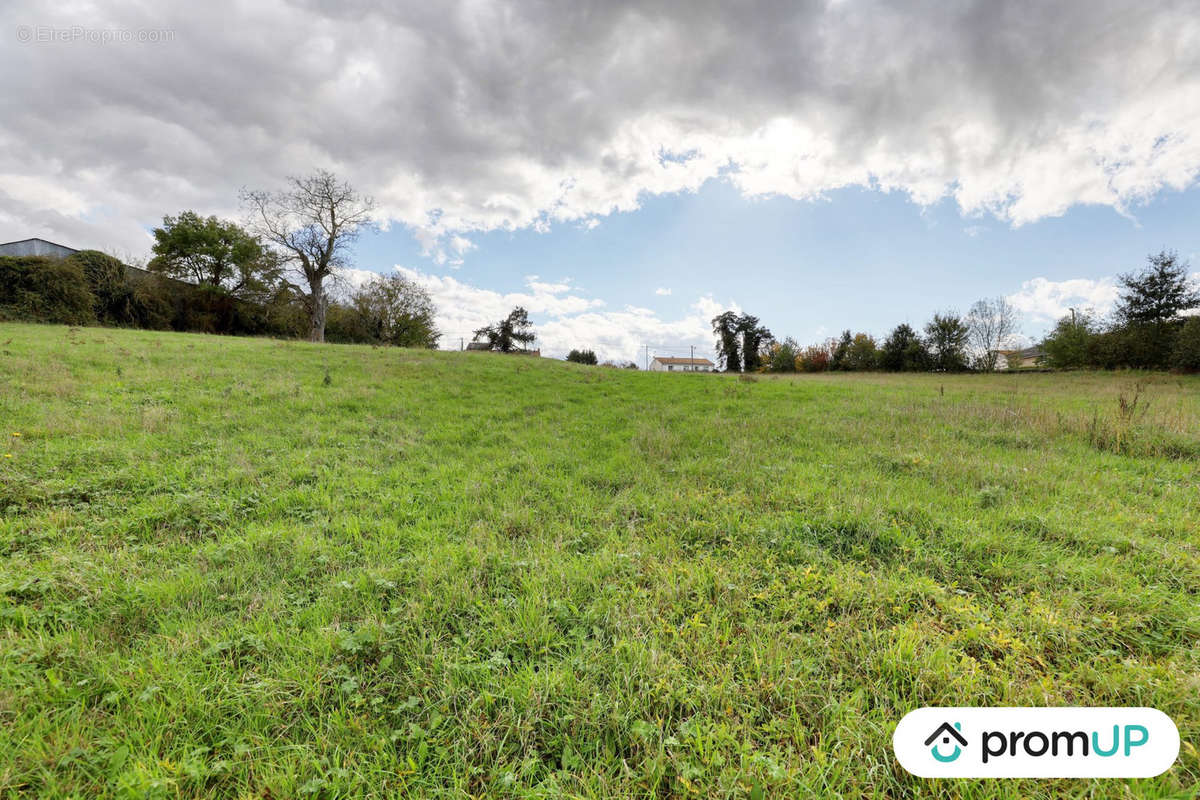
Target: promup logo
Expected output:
[946,732]
[1036,742]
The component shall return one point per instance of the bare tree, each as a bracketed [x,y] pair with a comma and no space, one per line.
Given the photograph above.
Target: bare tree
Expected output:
[992,324]
[311,224]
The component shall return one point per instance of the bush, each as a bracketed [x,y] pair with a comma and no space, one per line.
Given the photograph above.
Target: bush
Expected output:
[150,304]
[46,290]
[108,283]
[1185,357]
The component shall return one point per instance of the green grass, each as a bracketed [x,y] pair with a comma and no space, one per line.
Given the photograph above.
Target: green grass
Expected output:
[239,567]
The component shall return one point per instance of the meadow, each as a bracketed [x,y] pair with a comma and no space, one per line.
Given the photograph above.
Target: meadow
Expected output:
[235,567]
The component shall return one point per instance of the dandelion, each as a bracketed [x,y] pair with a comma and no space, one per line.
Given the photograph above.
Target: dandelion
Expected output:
[16,434]
[8,455]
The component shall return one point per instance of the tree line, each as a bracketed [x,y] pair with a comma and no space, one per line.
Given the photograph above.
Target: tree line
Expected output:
[269,276]
[1150,328]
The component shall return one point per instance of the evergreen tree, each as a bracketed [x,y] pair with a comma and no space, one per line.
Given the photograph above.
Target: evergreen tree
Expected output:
[1158,294]
[514,332]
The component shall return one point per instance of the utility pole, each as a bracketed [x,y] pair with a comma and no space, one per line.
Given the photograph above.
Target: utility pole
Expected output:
[647,357]
[461,345]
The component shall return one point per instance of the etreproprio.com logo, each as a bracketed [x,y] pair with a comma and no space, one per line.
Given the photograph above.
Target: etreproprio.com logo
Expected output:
[1036,742]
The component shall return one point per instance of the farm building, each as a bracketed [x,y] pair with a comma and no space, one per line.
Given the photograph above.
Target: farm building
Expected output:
[36,247]
[669,364]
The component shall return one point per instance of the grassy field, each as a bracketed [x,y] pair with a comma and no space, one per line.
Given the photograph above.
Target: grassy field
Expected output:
[239,567]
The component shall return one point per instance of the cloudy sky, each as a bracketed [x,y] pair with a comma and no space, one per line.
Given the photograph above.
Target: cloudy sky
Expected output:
[628,169]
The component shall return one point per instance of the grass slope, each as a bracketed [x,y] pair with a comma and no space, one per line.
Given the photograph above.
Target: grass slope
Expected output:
[246,567]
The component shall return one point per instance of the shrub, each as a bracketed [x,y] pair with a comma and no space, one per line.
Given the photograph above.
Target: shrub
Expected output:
[1185,356]
[108,283]
[46,290]
[150,304]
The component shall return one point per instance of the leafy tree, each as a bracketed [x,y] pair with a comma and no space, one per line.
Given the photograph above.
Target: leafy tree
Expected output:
[1186,355]
[726,327]
[903,351]
[514,332]
[839,351]
[311,225]
[207,251]
[1070,345]
[946,336]
[396,311]
[992,324]
[582,357]
[1158,294]
[754,337]
[783,356]
[862,354]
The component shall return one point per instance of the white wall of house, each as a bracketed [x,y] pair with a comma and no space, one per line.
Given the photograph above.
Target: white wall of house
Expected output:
[659,366]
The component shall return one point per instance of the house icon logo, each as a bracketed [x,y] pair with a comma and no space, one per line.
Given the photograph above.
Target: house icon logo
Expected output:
[945,732]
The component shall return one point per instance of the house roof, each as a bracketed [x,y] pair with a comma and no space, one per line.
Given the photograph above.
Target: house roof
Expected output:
[1028,352]
[693,361]
[38,239]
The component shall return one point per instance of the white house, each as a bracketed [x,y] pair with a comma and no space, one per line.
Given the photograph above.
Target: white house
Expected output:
[1017,359]
[668,364]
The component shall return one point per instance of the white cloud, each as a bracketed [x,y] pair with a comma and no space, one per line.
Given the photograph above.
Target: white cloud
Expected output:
[1046,301]
[502,116]
[565,320]
[662,291]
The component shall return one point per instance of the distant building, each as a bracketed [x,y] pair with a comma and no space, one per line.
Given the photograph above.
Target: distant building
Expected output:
[1017,359]
[669,364]
[36,247]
